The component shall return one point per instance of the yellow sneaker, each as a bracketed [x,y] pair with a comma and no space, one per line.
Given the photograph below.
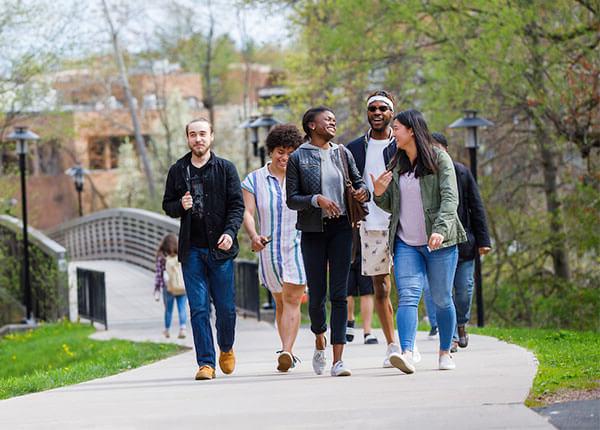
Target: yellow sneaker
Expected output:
[227,361]
[205,372]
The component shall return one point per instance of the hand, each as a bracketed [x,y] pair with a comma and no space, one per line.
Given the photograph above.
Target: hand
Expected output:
[259,242]
[435,241]
[331,209]
[381,183]
[361,195]
[224,242]
[186,201]
[484,250]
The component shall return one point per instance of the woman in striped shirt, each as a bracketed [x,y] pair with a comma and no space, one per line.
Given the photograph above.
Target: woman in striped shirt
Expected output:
[281,268]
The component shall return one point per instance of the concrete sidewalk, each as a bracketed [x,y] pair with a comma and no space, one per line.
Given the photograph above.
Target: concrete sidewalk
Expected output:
[486,391]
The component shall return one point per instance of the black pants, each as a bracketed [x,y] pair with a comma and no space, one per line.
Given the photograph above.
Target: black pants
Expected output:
[331,248]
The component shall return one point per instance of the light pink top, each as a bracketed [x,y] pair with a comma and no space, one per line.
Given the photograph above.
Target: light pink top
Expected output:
[411,226]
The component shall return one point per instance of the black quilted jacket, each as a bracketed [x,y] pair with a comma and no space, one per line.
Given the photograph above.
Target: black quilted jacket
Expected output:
[303,181]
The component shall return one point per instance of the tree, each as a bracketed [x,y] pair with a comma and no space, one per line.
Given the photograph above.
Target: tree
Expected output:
[131,103]
[195,45]
[531,68]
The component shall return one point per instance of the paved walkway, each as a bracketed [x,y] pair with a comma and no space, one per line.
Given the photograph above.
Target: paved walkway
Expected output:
[485,392]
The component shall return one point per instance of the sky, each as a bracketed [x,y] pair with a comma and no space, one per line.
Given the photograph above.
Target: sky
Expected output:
[77,28]
[139,24]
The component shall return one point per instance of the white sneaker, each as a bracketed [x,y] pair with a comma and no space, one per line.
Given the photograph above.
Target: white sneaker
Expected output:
[446,362]
[402,362]
[319,362]
[392,347]
[416,354]
[339,369]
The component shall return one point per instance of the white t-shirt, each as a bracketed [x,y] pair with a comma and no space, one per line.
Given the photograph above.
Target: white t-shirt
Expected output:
[378,219]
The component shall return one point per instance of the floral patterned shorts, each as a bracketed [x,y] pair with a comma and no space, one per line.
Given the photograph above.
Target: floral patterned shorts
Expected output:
[375,249]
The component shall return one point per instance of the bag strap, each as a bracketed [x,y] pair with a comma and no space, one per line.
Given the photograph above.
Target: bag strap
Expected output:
[344,160]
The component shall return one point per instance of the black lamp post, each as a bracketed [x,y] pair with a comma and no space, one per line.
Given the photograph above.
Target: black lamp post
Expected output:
[21,136]
[471,122]
[267,121]
[254,136]
[77,173]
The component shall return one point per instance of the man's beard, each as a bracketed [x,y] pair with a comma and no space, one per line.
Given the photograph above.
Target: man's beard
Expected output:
[199,152]
[383,127]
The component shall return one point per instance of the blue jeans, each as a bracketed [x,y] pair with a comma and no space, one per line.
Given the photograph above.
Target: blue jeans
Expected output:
[463,291]
[413,267]
[169,299]
[429,305]
[206,279]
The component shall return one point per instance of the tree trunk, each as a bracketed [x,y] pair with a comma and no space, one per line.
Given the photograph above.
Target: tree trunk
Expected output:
[208,98]
[139,140]
[558,250]
[558,245]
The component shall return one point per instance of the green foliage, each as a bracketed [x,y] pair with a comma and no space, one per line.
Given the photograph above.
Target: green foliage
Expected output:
[568,360]
[48,284]
[529,68]
[55,355]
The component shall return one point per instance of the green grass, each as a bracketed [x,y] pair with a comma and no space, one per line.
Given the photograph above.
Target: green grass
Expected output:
[55,355]
[568,360]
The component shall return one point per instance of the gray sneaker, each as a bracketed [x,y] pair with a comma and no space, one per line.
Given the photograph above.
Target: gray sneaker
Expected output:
[339,369]
[319,362]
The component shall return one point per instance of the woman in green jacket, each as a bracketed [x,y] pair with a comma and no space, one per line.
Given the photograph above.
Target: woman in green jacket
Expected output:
[419,190]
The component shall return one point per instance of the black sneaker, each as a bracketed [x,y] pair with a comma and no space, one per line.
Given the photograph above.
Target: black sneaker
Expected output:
[370,339]
[463,337]
[349,331]
[433,332]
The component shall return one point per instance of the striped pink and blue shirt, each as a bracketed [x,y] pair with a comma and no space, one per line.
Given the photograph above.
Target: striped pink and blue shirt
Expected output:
[281,260]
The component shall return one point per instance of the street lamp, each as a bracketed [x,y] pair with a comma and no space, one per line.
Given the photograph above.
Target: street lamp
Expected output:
[21,136]
[254,137]
[471,122]
[77,173]
[267,121]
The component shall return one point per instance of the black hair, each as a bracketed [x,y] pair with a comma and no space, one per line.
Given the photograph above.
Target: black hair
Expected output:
[285,136]
[440,138]
[425,163]
[201,119]
[309,116]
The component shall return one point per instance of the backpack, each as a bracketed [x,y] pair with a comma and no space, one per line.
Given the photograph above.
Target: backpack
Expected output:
[173,276]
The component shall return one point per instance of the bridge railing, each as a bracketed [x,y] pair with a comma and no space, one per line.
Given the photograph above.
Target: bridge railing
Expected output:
[48,270]
[123,234]
[132,236]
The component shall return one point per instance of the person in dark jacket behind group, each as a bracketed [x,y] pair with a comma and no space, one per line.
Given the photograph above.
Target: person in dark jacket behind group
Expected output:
[315,188]
[205,192]
[472,216]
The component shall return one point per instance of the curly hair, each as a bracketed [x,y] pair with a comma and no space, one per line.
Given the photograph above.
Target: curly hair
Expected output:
[284,135]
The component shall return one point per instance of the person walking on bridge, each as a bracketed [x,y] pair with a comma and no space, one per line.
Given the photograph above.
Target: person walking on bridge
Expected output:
[204,191]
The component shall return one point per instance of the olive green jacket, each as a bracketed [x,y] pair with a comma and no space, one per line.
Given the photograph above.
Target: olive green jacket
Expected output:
[439,195]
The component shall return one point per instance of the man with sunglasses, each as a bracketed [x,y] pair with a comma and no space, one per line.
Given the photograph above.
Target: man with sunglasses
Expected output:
[372,153]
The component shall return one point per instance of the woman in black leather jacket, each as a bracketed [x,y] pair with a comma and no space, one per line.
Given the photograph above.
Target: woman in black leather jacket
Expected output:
[315,188]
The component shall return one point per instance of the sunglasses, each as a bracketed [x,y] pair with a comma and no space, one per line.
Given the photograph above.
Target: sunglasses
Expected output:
[378,108]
